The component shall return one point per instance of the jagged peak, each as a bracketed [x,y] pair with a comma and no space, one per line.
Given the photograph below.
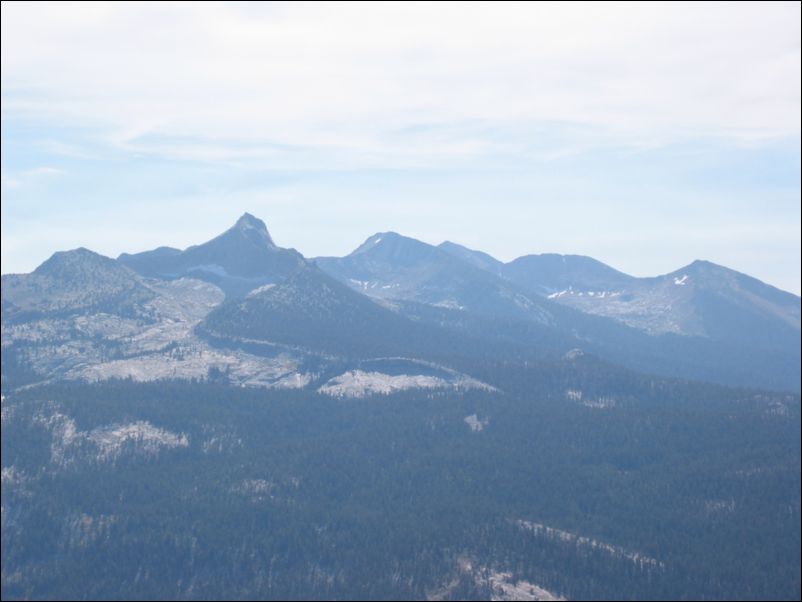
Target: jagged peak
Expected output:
[250,220]
[249,223]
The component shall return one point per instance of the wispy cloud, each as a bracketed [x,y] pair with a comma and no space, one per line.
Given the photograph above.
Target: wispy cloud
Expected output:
[42,171]
[338,77]
[19,179]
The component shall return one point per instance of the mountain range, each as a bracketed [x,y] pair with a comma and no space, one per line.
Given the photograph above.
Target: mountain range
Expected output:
[240,306]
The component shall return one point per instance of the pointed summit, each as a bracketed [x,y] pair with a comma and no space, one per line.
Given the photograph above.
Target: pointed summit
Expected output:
[240,259]
[391,266]
[253,226]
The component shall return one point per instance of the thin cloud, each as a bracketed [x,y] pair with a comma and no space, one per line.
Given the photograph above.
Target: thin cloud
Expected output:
[43,171]
[339,76]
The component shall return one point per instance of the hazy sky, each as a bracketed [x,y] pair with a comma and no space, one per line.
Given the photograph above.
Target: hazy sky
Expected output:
[646,135]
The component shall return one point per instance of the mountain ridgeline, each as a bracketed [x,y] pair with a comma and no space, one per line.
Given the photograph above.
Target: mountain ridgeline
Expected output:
[702,322]
[392,296]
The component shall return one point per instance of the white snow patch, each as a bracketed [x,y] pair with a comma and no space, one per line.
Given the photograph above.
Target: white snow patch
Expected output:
[361,283]
[681,281]
[559,294]
[595,294]
[212,268]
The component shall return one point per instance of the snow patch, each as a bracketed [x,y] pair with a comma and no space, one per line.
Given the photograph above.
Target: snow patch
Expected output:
[559,294]
[595,294]
[211,268]
[363,284]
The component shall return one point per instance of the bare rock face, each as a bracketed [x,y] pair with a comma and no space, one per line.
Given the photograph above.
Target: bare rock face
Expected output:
[73,282]
[239,260]
[701,299]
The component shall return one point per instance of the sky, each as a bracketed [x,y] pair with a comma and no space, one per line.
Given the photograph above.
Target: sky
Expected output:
[646,135]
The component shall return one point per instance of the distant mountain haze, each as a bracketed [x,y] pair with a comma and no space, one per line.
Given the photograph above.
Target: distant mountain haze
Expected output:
[701,299]
[392,295]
